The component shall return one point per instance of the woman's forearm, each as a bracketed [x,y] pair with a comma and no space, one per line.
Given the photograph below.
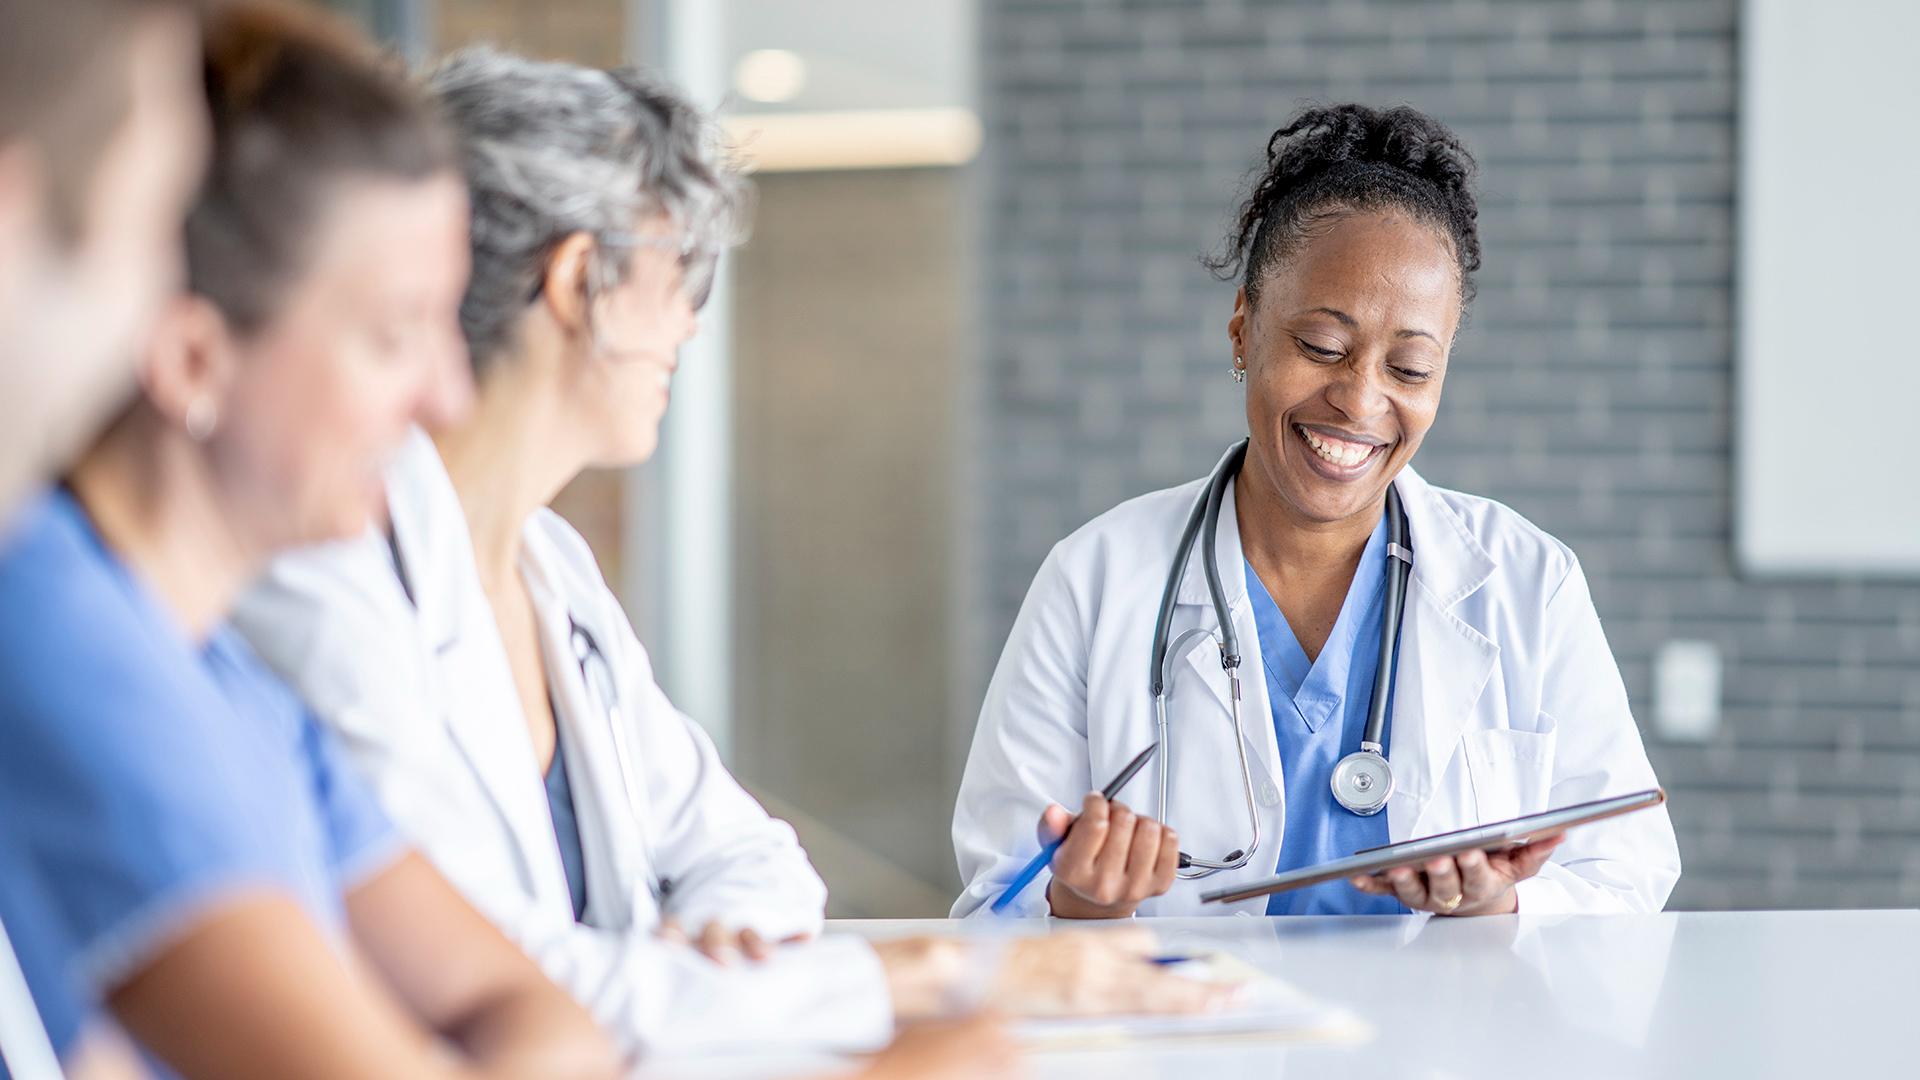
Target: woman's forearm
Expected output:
[921,975]
[462,978]
[532,1031]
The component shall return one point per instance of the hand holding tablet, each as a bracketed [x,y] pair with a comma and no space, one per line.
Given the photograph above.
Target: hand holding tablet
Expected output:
[1471,883]
[1467,872]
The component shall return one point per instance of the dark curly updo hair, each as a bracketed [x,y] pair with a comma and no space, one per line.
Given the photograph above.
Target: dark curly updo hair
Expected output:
[1336,160]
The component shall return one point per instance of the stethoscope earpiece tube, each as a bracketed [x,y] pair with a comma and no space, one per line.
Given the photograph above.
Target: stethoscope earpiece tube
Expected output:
[1399,566]
[1363,780]
[1203,518]
[1210,554]
[1163,625]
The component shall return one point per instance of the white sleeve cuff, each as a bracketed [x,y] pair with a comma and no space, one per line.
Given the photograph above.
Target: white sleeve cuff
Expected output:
[1030,904]
[829,994]
[1542,895]
[775,922]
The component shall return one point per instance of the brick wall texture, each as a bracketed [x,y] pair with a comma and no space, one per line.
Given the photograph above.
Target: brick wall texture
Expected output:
[1591,390]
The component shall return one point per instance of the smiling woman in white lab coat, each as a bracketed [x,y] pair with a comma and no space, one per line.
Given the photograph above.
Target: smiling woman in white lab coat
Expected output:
[485,678]
[1356,250]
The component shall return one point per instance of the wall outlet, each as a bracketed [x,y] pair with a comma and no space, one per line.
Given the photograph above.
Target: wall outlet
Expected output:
[1686,691]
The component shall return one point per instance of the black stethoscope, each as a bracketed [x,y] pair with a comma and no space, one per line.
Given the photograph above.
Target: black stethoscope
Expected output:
[1363,780]
[604,692]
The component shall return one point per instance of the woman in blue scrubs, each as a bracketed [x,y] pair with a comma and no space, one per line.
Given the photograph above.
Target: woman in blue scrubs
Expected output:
[93,228]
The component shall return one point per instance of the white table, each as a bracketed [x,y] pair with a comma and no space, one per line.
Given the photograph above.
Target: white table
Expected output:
[1710,994]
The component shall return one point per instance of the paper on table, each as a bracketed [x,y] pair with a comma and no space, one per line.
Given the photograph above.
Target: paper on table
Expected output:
[1268,1008]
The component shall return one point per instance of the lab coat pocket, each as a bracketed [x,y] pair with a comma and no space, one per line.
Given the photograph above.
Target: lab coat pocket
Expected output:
[1512,771]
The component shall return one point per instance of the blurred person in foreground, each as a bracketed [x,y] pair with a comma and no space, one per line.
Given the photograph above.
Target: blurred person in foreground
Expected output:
[479,668]
[217,879]
[102,135]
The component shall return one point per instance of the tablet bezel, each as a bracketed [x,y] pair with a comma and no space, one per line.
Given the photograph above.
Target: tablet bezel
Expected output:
[1498,836]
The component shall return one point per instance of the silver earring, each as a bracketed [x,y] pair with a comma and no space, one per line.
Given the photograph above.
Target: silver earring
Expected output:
[202,417]
[1239,370]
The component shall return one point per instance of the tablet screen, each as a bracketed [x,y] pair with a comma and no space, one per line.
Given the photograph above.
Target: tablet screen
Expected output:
[1494,837]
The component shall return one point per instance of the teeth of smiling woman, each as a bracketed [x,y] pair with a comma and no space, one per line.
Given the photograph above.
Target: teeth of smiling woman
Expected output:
[1339,451]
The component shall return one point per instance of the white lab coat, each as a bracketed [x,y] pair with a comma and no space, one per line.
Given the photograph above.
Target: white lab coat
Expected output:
[421,696]
[1508,702]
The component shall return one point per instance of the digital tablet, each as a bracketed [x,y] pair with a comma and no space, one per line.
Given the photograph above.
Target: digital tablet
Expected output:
[1499,836]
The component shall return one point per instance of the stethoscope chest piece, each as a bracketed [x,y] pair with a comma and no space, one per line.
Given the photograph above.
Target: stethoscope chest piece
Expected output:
[1363,782]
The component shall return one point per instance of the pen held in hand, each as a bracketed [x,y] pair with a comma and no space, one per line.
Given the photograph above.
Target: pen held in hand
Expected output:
[1039,862]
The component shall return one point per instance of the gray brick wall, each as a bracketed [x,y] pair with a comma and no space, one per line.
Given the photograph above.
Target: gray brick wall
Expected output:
[1592,389]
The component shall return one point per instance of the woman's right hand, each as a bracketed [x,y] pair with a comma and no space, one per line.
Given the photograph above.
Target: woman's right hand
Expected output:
[1068,973]
[978,1046]
[1096,973]
[1112,859]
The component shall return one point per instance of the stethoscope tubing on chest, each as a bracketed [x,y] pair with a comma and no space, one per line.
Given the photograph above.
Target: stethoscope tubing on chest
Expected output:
[603,691]
[1363,780]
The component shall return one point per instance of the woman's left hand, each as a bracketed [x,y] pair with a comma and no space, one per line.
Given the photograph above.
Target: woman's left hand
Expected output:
[1474,883]
[722,943]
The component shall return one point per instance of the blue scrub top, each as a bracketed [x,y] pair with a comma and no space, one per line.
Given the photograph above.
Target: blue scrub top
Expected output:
[146,778]
[1319,713]
[566,826]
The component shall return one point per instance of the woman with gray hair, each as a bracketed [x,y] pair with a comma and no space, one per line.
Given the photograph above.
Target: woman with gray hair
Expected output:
[485,677]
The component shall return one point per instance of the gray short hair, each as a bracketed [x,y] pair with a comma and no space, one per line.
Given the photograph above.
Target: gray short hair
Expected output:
[552,149]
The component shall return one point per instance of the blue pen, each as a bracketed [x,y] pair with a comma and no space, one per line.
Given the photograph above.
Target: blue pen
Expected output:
[1040,861]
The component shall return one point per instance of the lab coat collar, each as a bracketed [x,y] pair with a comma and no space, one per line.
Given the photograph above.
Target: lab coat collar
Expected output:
[1233,580]
[1449,562]
[418,493]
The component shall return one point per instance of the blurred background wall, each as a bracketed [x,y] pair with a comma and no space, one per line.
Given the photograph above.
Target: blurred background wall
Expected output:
[938,355]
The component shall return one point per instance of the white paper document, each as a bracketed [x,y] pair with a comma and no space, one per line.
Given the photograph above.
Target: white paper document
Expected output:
[1268,1008]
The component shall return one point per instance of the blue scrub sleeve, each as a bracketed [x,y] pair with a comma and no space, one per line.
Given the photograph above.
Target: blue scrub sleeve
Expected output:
[113,789]
[132,845]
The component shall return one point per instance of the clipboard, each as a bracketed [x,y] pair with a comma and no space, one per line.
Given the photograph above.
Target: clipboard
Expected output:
[1499,836]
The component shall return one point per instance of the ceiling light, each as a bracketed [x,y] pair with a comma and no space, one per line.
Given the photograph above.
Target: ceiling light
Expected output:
[770,75]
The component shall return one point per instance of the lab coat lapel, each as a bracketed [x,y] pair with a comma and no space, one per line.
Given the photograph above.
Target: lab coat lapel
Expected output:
[1444,663]
[613,832]
[430,531]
